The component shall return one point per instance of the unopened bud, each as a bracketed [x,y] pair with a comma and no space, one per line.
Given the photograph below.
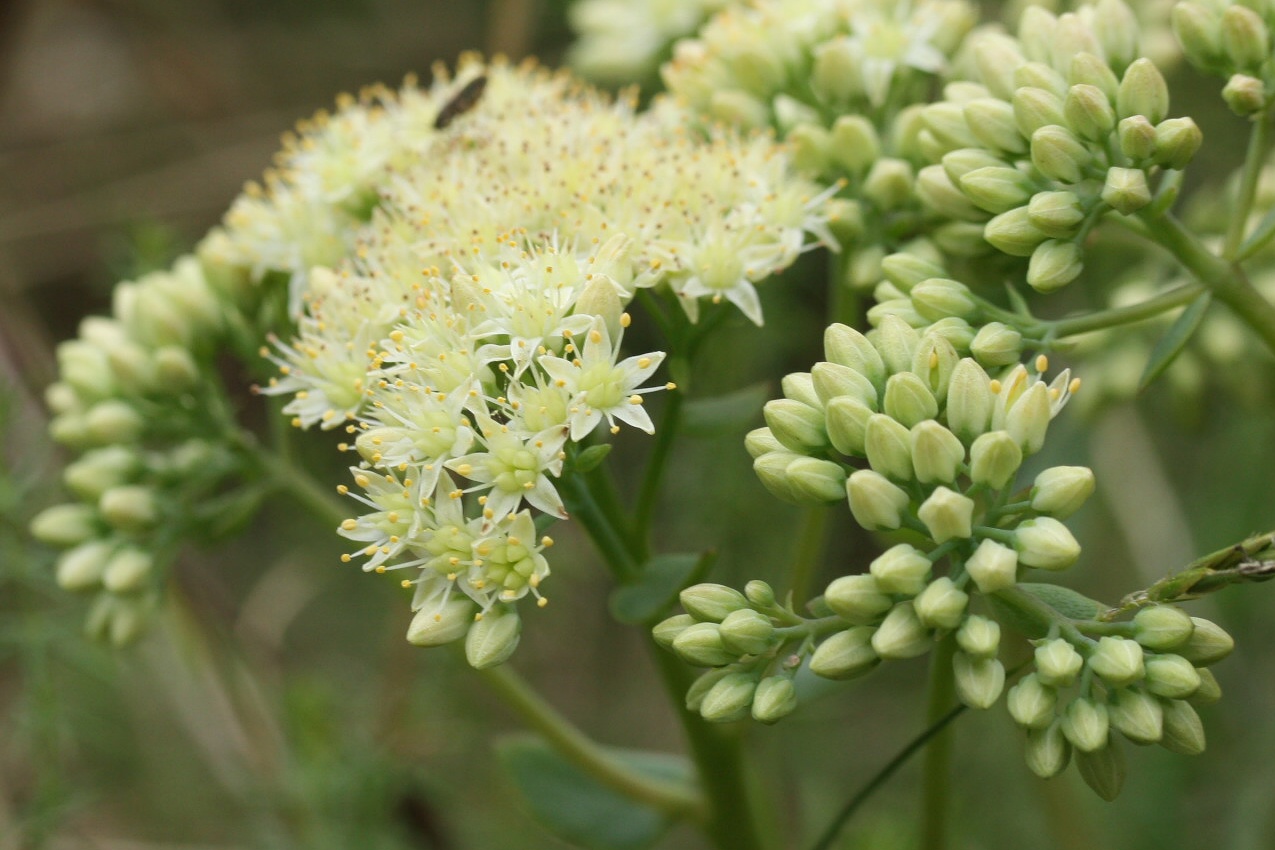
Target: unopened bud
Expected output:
[844,345]
[491,640]
[1177,140]
[1089,112]
[1209,691]
[1047,751]
[65,525]
[996,189]
[1162,627]
[1045,543]
[798,426]
[1088,69]
[935,357]
[814,481]
[126,570]
[888,446]
[832,380]
[876,503]
[113,421]
[993,566]
[993,123]
[129,507]
[947,514]
[1056,214]
[1035,108]
[979,681]
[1245,38]
[994,459]
[1118,661]
[900,569]
[665,631]
[81,568]
[1183,731]
[847,424]
[1143,91]
[771,469]
[748,632]
[996,55]
[737,107]
[1137,138]
[711,602]
[729,699]
[1137,715]
[1126,190]
[760,441]
[1244,94]
[905,269]
[901,634]
[907,400]
[1208,643]
[775,699]
[1058,663]
[1028,419]
[1086,725]
[845,655]
[1060,490]
[979,636]
[1059,154]
[939,194]
[969,399]
[837,74]
[854,144]
[1104,770]
[937,453]
[701,645]
[858,598]
[1171,676]
[1031,703]
[1054,264]
[941,605]
[1013,233]
[1042,76]
[889,183]
[438,625]
[939,298]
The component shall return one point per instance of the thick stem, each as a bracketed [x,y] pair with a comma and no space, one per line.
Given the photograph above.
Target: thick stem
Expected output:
[665,435]
[1170,299]
[936,769]
[1258,142]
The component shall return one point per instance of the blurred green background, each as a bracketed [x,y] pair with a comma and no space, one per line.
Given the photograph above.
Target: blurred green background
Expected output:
[276,704]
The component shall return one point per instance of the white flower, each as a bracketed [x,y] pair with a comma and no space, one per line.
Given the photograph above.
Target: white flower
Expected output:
[513,468]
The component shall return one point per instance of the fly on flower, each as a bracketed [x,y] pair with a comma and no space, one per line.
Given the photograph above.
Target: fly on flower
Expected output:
[463,101]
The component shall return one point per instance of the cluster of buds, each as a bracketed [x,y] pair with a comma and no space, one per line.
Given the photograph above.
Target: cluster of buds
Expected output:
[132,400]
[1049,131]
[1230,40]
[624,42]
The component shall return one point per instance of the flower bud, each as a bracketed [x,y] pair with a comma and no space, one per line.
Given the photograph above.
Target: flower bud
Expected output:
[996,189]
[81,568]
[1245,38]
[939,193]
[1060,490]
[1209,691]
[937,453]
[969,399]
[1117,29]
[1056,214]
[858,598]
[941,605]
[939,298]
[1176,142]
[845,655]
[130,507]
[729,699]
[854,144]
[958,163]
[113,421]
[1031,704]
[1042,76]
[1059,154]
[1103,770]
[1088,69]
[760,441]
[935,357]
[979,636]
[1199,33]
[175,368]
[979,681]
[993,566]
[908,400]
[900,569]
[1245,95]
[1057,663]
[811,148]
[1045,543]
[1054,264]
[99,470]
[738,108]
[847,424]
[1208,643]
[775,699]
[1183,731]
[437,625]
[996,55]
[1137,715]
[798,426]
[889,183]
[701,645]
[492,639]
[993,123]
[1137,138]
[1126,190]
[994,459]
[887,445]
[748,632]
[1047,751]
[126,570]
[845,219]
[1013,233]
[1171,676]
[1028,418]
[771,469]
[947,514]
[65,525]
[700,687]
[1118,661]
[845,346]
[1143,91]
[901,634]
[1035,108]
[665,631]
[945,120]
[832,380]
[711,602]
[1089,113]
[800,386]
[875,502]
[1162,627]
[812,481]
[905,270]
[1085,724]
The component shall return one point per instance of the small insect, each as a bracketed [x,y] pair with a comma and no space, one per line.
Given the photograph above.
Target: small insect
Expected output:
[463,101]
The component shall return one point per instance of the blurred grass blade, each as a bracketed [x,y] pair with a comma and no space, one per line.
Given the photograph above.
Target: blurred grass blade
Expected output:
[1174,340]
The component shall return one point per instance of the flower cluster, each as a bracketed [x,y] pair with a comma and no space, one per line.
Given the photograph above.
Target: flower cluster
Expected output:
[1233,41]
[621,41]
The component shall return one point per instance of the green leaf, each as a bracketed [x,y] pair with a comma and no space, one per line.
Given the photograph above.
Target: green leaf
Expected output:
[589,459]
[1017,302]
[574,807]
[657,586]
[1174,340]
[1064,600]
[724,414]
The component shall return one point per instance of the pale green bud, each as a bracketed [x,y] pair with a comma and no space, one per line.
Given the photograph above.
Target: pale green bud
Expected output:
[1054,264]
[1028,418]
[1177,140]
[1137,715]
[1117,30]
[1104,770]
[812,480]
[99,470]
[887,445]
[666,631]
[847,424]
[176,369]
[844,345]
[857,598]
[1071,36]
[1045,543]
[993,123]
[1171,676]
[1087,69]
[1060,490]
[863,269]
[1245,95]
[837,74]
[946,122]
[1041,76]
[81,568]
[129,507]
[1057,214]
[1035,108]
[800,386]
[979,681]
[979,636]
[811,147]
[798,426]
[997,55]
[897,341]
[906,130]
[937,191]
[126,570]
[905,269]
[908,401]
[84,367]
[939,298]
[1058,663]
[845,655]
[901,634]
[492,639]
[1013,233]
[947,514]
[900,569]
[748,632]
[994,459]
[1143,91]
[854,144]
[941,605]
[1209,691]
[759,593]
[771,469]
[1086,725]
[960,238]
[1126,190]
[1031,704]
[969,396]
[1183,731]
[1162,627]
[791,116]
[889,183]
[875,502]
[958,163]
[117,619]
[1245,38]
[758,442]
[739,108]
[62,397]
[65,525]
[1199,31]
[435,626]
[133,366]
[113,421]
[1118,661]
[709,602]
[1208,643]
[775,699]
[1137,138]
[1047,751]
[602,298]
[832,380]
[935,358]
[729,699]
[700,687]
[997,189]
[701,645]
[845,219]
[1089,113]
[993,566]
[996,344]
[937,453]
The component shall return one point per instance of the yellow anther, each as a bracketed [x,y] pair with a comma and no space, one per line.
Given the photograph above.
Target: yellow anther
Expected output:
[1042,363]
[1074,385]
[994,386]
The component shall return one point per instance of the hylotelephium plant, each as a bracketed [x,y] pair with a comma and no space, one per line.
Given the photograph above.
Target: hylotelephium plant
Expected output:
[443,277]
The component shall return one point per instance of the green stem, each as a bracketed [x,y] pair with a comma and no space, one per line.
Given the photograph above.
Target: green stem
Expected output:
[1170,299]
[937,766]
[665,435]
[588,755]
[1255,158]
[843,300]
[810,543]
[293,480]
[599,526]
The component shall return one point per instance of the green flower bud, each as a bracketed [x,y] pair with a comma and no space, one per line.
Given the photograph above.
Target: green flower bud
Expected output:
[900,569]
[65,525]
[811,147]
[836,76]
[1087,69]
[888,446]
[847,424]
[702,646]
[709,602]
[175,369]
[1245,95]
[1089,113]
[760,441]
[113,421]
[1056,214]
[947,514]
[800,386]
[738,108]
[908,401]
[759,593]
[901,634]
[937,191]
[491,640]
[969,397]
[844,345]
[1126,190]
[1045,543]
[1117,29]
[811,480]
[1143,91]
[775,699]
[1031,704]
[1199,32]
[1183,731]
[889,183]
[997,189]
[666,631]
[960,239]
[1172,677]
[1085,724]
[1035,108]
[126,570]
[1047,751]
[435,626]
[1162,627]
[1209,691]
[1028,418]
[729,699]
[81,568]
[130,507]
[857,598]
[832,380]
[935,358]
[994,459]
[1057,663]
[1041,76]
[993,566]
[700,687]
[1137,715]
[854,145]
[1054,264]
[1013,233]
[900,308]
[845,219]
[905,270]
[1208,643]
[1059,154]
[771,469]
[979,681]
[937,453]
[1118,661]
[1103,770]
[875,502]
[1245,38]
[993,123]
[798,426]
[1060,490]
[845,655]
[979,636]
[748,632]
[958,163]
[1137,138]
[946,122]
[939,298]
[1177,140]
[101,469]
[941,605]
